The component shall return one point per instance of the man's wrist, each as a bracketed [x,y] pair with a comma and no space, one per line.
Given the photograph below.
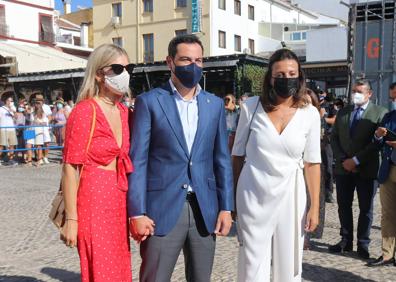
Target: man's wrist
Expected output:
[356,161]
[137,216]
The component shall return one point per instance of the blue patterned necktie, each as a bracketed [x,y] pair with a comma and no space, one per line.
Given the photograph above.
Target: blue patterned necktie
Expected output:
[355,120]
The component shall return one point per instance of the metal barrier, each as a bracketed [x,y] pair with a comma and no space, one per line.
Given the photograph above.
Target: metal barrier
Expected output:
[29,134]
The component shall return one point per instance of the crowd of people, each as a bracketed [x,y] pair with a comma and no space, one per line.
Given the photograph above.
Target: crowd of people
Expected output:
[174,167]
[20,143]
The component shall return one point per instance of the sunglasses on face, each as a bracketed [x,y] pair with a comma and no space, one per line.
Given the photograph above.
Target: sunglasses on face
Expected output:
[118,68]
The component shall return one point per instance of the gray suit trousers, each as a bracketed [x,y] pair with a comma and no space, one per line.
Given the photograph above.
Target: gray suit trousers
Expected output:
[160,253]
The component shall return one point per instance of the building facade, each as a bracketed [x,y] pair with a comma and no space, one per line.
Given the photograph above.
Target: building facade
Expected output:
[37,25]
[144,27]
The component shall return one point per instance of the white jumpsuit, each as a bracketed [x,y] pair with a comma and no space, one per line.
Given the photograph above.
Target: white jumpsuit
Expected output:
[271,194]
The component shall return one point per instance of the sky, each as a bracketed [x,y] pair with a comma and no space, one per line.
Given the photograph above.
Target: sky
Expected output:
[74,4]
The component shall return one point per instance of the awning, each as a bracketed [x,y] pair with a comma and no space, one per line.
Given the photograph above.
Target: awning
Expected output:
[35,58]
[39,76]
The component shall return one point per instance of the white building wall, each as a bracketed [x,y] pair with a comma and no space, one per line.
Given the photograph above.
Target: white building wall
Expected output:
[23,20]
[233,25]
[330,8]
[43,3]
[328,44]
[276,13]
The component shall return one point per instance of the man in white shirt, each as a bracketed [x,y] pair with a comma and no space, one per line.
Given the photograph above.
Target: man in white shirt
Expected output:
[39,98]
[8,139]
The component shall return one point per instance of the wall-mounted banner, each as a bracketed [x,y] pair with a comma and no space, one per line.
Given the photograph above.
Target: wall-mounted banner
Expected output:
[196,16]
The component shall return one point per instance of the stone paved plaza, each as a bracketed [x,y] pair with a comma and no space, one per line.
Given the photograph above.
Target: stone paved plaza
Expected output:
[30,249]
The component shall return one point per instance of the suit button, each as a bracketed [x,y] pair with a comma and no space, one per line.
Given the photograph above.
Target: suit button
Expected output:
[190,163]
[185,186]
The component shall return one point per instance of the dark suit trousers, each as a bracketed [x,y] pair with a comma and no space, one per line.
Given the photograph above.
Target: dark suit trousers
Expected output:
[160,253]
[346,185]
[327,163]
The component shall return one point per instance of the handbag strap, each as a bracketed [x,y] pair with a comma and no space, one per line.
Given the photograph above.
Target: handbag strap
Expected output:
[251,120]
[91,132]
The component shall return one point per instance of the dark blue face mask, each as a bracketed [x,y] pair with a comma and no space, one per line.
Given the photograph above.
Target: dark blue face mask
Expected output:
[188,75]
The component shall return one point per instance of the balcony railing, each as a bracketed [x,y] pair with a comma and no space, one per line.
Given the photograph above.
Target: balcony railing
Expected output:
[48,37]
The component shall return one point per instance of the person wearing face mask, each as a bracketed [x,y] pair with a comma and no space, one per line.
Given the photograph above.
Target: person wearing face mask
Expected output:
[180,194]
[8,138]
[356,166]
[96,147]
[20,120]
[277,143]
[60,118]
[387,179]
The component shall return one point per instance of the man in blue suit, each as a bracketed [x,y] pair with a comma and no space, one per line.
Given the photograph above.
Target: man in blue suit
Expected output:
[180,193]
[387,179]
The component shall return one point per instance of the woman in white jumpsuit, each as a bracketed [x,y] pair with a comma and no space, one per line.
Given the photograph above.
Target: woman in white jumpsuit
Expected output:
[276,144]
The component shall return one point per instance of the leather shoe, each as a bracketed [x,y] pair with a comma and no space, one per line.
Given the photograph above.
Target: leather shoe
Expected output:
[363,253]
[381,262]
[341,247]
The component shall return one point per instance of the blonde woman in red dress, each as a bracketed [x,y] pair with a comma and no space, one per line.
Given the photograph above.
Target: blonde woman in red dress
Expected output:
[96,216]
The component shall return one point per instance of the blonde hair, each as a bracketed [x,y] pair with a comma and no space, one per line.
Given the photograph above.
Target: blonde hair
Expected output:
[102,56]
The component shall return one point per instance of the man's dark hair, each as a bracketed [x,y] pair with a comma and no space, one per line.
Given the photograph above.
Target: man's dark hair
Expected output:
[392,86]
[186,38]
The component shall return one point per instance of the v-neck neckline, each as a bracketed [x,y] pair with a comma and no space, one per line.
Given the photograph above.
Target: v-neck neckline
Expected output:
[287,125]
[109,126]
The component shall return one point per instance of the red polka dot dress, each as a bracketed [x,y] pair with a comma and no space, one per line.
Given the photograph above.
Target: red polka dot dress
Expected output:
[102,241]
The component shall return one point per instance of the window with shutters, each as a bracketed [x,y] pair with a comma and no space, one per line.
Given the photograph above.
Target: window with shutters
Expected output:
[148,44]
[148,6]
[46,33]
[237,43]
[251,12]
[117,41]
[222,39]
[181,3]
[251,46]
[222,4]
[237,7]
[3,25]
[180,32]
[117,10]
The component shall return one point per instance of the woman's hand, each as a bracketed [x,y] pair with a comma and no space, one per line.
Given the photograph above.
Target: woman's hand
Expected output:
[69,233]
[312,220]
[141,227]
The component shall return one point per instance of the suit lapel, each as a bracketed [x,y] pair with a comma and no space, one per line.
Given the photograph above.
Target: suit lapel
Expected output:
[364,115]
[368,109]
[203,117]
[168,105]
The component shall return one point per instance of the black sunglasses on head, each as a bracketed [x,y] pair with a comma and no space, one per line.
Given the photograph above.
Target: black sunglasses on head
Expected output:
[118,68]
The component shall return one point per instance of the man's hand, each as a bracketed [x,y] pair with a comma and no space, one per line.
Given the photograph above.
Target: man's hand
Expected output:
[392,144]
[224,222]
[349,165]
[380,132]
[141,227]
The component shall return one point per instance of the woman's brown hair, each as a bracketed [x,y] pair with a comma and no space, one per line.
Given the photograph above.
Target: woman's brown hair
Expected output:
[314,98]
[268,96]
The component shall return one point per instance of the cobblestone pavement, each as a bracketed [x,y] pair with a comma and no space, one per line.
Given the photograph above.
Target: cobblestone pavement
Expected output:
[31,251]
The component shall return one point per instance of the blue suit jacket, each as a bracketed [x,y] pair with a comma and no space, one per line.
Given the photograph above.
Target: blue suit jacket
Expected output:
[164,168]
[389,121]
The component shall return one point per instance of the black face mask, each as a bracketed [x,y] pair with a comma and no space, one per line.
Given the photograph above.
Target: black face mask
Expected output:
[286,87]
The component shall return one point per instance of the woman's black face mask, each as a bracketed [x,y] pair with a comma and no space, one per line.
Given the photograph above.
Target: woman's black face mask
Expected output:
[286,87]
